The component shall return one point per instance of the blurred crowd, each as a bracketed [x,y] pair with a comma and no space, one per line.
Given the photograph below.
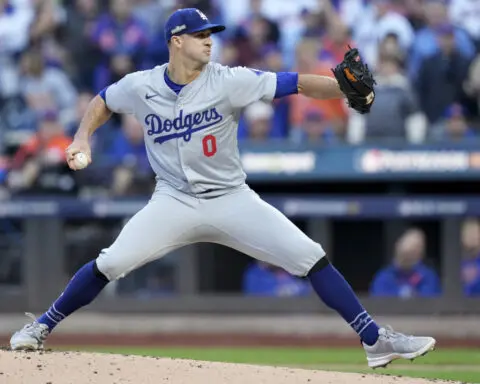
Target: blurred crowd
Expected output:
[410,274]
[55,55]
[406,275]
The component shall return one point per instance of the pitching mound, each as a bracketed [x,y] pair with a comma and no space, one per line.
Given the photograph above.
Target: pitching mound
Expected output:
[83,368]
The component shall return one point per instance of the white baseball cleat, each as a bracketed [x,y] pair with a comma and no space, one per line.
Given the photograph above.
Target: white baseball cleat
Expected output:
[393,345]
[30,337]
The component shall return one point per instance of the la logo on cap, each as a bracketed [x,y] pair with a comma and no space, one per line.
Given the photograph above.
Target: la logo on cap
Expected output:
[202,15]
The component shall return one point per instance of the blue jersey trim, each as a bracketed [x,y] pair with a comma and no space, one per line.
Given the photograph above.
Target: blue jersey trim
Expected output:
[287,84]
[173,86]
[103,94]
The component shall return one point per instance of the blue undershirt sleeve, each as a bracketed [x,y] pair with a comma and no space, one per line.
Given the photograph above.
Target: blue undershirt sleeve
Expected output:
[287,84]
[103,94]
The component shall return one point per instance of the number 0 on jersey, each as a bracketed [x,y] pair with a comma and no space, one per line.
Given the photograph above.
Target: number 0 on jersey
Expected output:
[209,145]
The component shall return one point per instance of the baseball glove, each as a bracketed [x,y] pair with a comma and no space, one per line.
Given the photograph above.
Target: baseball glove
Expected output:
[355,81]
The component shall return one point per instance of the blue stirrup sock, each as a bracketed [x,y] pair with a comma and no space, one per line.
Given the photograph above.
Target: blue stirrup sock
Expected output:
[337,294]
[84,286]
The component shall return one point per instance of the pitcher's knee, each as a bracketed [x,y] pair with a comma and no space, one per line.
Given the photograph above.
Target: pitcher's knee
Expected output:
[110,266]
[99,273]
[319,265]
[306,257]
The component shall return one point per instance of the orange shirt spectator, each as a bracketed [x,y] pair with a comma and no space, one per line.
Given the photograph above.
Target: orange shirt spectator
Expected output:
[49,141]
[335,43]
[39,165]
[334,110]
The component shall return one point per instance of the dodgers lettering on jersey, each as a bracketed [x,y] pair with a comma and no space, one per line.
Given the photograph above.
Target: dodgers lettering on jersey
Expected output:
[184,126]
[191,138]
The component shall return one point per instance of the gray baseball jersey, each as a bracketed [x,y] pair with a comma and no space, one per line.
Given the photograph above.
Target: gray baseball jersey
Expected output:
[191,141]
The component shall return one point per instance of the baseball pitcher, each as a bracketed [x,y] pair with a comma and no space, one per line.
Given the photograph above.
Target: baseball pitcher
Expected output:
[189,109]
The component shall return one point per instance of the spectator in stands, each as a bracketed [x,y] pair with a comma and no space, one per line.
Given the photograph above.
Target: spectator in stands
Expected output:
[381,19]
[269,33]
[262,279]
[122,40]
[315,128]
[156,52]
[335,42]
[45,87]
[278,124]
[15,20]
[471,257]
[230,54]
[466,14]
[315,23]
[415,13]
[426,41]
[39,166]
[155,285]
[132,174]
[273,61]
[454,125]
[83,99]
[211,8]
[150,13]
[4,168]
[102,141]
[83,55]
[441,76]
[257,122]
[334,111]
[301,19]
[254,34]
[407,276]
[396,113]
[348,11]
[49,15]
[390,47]
[471,86]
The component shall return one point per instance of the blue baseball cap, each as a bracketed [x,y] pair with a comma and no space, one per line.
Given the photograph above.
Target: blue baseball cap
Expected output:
[189,20]
[48,115]
[454,110]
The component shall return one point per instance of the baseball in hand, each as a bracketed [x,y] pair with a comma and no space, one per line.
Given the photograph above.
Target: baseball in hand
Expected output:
[80,160]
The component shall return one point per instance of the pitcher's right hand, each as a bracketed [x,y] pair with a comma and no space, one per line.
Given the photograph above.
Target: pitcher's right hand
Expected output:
[78,145]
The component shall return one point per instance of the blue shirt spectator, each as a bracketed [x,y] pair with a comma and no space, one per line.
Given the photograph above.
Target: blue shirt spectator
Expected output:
[454,127]
[407,276]
[471,257]
[132,173]
[471,276]
[276,121]
[128,150]
[156,52]
[315,128]
[426,45]
[262,279]
[279,123]
[441,77]
[420,280]
[122,39]
[258,122]
[123,150]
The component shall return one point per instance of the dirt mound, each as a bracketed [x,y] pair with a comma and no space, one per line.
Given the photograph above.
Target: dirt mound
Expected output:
[83,368]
